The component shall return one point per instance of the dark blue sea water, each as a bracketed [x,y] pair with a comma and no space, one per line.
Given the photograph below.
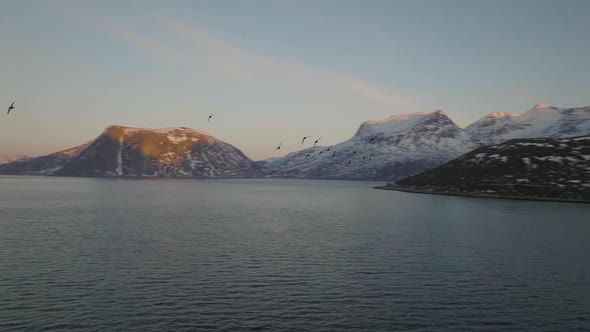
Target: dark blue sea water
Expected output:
[284,255]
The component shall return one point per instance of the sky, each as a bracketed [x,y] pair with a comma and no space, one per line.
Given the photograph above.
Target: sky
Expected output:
[274,71]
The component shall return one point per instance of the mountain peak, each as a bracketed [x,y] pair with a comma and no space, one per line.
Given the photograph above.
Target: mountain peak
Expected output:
[542,105]
[115,130]
[543,120]
[392,124]
[138,152]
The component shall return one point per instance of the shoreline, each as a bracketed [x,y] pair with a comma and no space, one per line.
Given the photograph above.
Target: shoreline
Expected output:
[478,195]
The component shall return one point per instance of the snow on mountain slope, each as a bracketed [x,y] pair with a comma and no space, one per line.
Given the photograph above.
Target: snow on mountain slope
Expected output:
[391,125]
[531,167]
[384,149]
[170,152]
[42,165]
[543,120]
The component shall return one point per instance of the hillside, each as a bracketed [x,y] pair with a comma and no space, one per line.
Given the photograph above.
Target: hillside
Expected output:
[392,148]
[545,168]
[543,120]
[141,152]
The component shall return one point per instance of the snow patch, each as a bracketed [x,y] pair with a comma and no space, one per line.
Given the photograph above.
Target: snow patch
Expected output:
[119,170]
[556,159]
[541,106]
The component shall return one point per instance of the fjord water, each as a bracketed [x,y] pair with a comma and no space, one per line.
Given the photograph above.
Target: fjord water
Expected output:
[290,255]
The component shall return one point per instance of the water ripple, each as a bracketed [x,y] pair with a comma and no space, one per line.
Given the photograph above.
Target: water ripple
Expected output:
[262,255]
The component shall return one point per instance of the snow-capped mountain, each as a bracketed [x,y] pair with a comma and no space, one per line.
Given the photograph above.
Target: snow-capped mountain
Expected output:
[543,120]
[43,165]
[532,167]
[139,152]
[392,148]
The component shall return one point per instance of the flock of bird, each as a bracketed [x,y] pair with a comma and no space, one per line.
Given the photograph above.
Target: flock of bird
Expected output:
[315,143]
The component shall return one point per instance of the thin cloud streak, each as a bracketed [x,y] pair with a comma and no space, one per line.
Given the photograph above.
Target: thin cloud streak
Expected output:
[240,60]
[201,47]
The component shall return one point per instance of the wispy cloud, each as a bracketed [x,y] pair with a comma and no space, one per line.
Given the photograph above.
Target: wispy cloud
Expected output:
[198,46]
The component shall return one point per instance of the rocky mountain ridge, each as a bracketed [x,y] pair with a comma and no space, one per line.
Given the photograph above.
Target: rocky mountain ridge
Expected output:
[142,152]
[556,168]
[381,149]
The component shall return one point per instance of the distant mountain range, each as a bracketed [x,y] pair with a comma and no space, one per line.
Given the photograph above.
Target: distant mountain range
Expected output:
[389,149]
[142,152]
[541,121]
[383,149]
[546,168]
[405,145]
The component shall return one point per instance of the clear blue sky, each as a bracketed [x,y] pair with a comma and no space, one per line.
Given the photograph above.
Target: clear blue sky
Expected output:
[273,71]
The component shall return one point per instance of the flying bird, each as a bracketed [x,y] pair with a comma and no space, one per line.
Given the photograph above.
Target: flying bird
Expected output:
[10,108]
[279,147]
[209,119]
[303,139]
[316,142]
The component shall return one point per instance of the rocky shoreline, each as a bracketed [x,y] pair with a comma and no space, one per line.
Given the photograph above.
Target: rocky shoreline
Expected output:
[481,195]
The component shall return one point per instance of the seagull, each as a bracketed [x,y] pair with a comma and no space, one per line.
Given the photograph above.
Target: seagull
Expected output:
[209,119]
[316,142]
[10,108]
[303,139]
[279,147]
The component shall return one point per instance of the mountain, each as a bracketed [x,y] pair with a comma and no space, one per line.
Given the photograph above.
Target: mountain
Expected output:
[550,168]
[543,120]
[401,145]
[43,165]
[8,159]
[142,152]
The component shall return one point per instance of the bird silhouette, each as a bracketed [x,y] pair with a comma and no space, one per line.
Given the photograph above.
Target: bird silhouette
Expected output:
[371,156]
[279,147]
[334,154]
[316,142]
[364,157]
[372,139]
[10,108]
[303,139]
[329,148]
[307,155]
[209,119]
